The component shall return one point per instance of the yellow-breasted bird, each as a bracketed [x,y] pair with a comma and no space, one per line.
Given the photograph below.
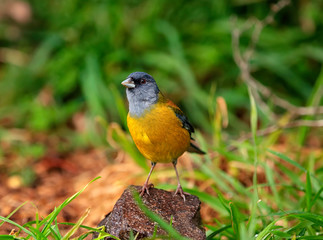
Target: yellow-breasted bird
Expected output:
[158,127]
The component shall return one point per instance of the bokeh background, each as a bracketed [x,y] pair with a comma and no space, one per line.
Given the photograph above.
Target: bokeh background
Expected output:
[62,104]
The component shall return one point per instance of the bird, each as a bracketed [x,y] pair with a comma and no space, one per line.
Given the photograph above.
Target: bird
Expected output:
[159,128]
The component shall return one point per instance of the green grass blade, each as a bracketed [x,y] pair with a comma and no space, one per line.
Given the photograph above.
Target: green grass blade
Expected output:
[216,232]
[212,201]
[51,217]
[102,235]
[287,159]
[237,186]
[272,184]
[254,115]
[35,230]
[280,234]
[14,211]
[317,219]
[311,237]
[224,202]
[292,175]
[317,195]
[236,219]
[76,226]
[119,105]
[243,232]
[266,231]
[255,197]
[18,226]
[313,100]
[54,232]
[90,82]
[308,192]
[213,173]
[7,237]
[169,229]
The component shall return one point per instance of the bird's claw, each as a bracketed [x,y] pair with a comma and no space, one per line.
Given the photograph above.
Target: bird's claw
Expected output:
[145,188]
[180,191]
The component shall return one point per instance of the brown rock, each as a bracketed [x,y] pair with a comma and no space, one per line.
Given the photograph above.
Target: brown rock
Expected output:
[126,216]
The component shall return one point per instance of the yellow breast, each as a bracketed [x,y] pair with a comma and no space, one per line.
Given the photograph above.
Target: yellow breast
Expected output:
[158,134]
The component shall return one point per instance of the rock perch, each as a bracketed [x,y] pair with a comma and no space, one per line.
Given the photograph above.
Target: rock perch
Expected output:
[126,216]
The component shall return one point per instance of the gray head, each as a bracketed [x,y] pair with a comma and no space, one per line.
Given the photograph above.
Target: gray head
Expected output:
[142,92]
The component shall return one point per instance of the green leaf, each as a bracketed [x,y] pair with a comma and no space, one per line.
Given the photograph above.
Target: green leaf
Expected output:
[308,192]
[236,219]
[18,226]
[270,178]
[6,237]
[287,159]
[47,221]
[317,219]
[266,231]
[216,232]
[317,195]
[76,226]
[255,197]
[153,216]
[254,115]
[13,212]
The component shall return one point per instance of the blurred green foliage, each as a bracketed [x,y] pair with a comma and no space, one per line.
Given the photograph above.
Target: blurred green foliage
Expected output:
[77,52]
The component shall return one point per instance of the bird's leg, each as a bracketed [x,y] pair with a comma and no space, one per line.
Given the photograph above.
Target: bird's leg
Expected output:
[179,187]
[146,186]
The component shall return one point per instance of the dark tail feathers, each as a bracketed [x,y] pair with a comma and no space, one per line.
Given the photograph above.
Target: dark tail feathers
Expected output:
[195,149]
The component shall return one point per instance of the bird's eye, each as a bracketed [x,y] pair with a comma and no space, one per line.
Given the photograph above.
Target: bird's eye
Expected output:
[143,81]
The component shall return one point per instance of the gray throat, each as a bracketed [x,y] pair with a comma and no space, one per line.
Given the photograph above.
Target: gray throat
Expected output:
[139,103]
